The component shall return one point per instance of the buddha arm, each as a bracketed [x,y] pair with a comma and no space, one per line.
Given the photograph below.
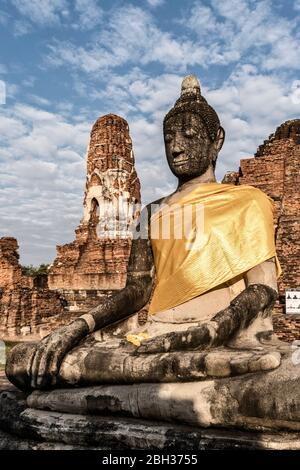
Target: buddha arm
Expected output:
[135,294]
[258,297]
[49,353]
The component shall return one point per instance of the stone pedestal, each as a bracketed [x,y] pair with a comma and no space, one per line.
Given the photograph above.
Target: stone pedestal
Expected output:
[23,428]
[259,410]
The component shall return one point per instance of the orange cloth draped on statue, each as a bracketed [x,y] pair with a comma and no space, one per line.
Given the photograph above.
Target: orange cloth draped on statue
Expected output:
[226,230]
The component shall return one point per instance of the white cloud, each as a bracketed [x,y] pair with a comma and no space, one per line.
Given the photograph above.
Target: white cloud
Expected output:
[21,28]
[251,105]
[155,3]
[42,12]
[39,100]
[227,32]
[130,36]
[237,29]
[297,5]
[42,170]
[82,15]
[4,17]
[285,54]
[90,14]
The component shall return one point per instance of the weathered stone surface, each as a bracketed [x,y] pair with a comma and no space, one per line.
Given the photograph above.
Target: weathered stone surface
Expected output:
[11,442]
[30,429]
[257,401]
[93,262]
[88,366]
[275,170]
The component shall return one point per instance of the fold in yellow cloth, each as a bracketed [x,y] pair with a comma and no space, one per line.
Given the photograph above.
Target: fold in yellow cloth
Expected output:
[231,231]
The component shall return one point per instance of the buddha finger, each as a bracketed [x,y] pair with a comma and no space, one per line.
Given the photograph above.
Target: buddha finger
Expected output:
[44,377]
[200,338]
[53,368]
[35,366]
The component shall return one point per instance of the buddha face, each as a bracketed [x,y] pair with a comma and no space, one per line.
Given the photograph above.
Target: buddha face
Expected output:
[189,149]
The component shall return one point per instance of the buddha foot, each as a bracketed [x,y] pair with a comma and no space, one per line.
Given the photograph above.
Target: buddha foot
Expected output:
[265,400]
[116,363]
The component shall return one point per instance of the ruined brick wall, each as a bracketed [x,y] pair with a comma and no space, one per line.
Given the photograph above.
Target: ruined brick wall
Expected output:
[98,258]
[275,170]
[10,270]
[25,311]
[24,307]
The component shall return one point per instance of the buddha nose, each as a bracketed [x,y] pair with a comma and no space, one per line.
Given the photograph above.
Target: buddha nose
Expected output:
[176,148]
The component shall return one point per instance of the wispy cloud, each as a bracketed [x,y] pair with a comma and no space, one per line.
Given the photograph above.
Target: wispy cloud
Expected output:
[21,27]
[42,170]
[75,14]
[242,29]
[42,12]
[90,14]
[220,34]
[155,3]
[130,36]
[251,104]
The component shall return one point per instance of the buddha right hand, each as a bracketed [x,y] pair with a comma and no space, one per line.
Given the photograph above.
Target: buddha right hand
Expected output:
[51,351]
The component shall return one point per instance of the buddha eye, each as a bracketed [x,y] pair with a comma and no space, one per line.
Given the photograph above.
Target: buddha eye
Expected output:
[190,132]
[168,138]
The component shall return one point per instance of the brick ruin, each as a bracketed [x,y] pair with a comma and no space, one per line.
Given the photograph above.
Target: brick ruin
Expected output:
[275,170]
[98,258]
[27,306]
[95,264]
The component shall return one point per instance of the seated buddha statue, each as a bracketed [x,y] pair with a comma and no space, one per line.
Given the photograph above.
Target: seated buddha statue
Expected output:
[211,289]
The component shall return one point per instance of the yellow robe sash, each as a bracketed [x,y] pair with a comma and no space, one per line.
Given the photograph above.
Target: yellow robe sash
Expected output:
[237,234]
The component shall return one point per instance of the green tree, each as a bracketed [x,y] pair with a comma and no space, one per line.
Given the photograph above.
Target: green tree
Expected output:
[35,271]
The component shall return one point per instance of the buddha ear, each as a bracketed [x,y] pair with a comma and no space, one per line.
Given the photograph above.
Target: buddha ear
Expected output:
[219,140]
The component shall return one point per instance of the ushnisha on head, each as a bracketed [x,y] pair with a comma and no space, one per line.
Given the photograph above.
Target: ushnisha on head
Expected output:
[192,132]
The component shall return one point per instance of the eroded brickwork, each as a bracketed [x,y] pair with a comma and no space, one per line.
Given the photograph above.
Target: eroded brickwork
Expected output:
[275,170]
[95,264]
[26,304]
[98,258]
[10,270]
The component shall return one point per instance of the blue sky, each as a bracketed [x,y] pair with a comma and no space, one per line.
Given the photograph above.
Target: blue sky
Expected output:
[66,62]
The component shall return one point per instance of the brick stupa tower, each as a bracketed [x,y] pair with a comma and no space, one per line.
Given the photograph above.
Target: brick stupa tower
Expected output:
[98,258]
[275,170]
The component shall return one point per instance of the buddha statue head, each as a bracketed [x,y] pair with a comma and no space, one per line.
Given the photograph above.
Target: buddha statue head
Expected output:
[192,133]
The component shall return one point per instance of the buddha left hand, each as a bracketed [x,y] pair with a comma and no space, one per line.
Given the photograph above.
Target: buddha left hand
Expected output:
[255,299]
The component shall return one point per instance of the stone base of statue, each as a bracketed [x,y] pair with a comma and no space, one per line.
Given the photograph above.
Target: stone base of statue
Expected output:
[259,409]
